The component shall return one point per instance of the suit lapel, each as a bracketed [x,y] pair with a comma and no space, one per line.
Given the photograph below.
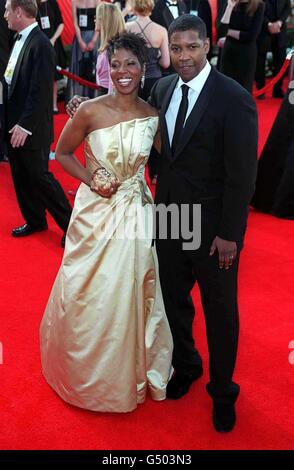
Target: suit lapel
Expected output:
[19,59]
[167,15]
[197,112]
[162,120]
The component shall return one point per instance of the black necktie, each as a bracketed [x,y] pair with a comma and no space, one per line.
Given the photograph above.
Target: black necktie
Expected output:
[17,36]
[181,116]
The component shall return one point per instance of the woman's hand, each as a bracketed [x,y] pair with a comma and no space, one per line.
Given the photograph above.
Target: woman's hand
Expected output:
[90,46]
[221,42]
[83,46]
[104,183]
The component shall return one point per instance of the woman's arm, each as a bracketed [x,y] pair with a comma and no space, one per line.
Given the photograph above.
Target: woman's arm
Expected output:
[228,11]
[57,33]
[252,33]
[82,44]
[93,41]
[164,60]
[71,137]
[157,141]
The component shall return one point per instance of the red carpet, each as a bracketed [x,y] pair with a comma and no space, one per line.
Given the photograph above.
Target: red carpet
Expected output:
[33,416]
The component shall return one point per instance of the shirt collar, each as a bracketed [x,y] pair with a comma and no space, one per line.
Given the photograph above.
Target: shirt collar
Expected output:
[197,82]
[26,31]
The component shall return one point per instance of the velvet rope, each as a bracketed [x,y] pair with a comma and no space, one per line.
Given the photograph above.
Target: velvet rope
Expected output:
[80,80]
[274,80]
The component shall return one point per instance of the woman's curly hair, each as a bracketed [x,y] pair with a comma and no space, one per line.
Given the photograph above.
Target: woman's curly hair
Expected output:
[131,42]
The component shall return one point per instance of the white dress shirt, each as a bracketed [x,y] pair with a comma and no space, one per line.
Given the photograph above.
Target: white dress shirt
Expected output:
[17,48]
[195,86]
[173,9]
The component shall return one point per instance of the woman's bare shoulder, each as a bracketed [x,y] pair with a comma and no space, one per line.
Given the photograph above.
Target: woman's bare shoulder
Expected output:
[149,110]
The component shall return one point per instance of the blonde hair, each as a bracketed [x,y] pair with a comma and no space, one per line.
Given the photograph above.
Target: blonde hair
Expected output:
[143,7]
[111,22]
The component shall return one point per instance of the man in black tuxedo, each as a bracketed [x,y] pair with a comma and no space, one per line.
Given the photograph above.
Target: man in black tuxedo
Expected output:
[5,43]
[165,11]
[273,36]
[208,126]
[28,82]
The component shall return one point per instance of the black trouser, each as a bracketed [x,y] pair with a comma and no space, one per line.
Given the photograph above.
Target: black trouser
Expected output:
[179,270]
[37,189]
[3,150]
[279,55]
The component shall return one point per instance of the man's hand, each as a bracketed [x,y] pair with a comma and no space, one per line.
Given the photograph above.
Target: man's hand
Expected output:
[72,106]
[18,137]
[274,28]
[227,251]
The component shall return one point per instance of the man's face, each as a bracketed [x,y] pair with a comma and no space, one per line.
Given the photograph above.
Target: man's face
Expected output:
[188,53]
[11,16]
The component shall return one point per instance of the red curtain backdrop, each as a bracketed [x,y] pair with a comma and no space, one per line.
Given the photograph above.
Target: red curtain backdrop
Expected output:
[67,36]
[68,32]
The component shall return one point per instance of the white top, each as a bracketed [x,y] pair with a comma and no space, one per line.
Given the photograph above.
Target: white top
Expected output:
[195,86]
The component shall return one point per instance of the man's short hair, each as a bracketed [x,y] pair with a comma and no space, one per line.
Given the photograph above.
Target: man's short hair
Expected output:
[187,23]
[30,7]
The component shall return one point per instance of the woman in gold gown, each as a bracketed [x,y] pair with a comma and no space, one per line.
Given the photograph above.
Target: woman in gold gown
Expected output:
[104,335]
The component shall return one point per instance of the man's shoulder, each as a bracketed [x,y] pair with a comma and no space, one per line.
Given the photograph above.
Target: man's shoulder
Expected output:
[158,5]
[38,37]
[230,88]
[163,83]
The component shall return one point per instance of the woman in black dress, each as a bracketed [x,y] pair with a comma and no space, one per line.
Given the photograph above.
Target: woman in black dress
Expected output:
[239,26]
[51,22]
[274,192]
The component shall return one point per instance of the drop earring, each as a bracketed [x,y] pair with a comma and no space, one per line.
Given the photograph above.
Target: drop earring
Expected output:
[142,81]
[143,78]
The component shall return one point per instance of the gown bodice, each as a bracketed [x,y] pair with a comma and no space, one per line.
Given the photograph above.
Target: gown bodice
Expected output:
[123,148]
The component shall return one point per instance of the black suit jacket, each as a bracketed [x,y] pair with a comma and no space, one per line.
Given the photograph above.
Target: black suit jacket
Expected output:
[28,101]
[161,13]
[215,162]
[280,11]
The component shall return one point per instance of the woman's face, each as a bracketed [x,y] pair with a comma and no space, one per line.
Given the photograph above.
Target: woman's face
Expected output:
[125,71]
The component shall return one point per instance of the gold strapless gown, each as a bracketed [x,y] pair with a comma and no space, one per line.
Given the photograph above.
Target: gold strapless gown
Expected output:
[104,335]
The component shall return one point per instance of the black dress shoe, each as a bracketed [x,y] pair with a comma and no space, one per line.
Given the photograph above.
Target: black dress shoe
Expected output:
[180,383]
[26,229]
[223,417]
[63,240]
